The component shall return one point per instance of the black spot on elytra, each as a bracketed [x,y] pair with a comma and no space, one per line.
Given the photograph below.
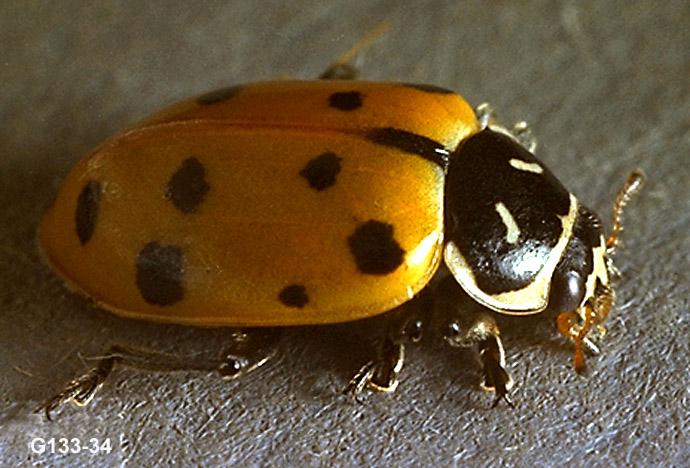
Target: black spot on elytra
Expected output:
[294,295]
[86,214]
[429,88]
[160,273]
[218,95]
[187,186]
[346,101]
[321,171]
[375,250]
[409,142]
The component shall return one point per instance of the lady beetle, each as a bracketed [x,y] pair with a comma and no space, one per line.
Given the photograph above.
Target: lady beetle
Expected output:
[314,202]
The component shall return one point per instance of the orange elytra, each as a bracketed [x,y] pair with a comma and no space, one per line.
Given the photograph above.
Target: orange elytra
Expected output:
[276,203]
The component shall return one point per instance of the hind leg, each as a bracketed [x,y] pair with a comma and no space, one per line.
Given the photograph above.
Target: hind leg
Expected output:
[248,351]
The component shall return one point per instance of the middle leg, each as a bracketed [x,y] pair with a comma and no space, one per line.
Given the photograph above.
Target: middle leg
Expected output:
[406,326]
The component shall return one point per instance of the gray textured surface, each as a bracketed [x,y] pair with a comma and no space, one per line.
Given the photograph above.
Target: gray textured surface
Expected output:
[606,86]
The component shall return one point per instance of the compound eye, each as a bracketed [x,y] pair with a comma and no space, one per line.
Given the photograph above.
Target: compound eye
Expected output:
[567,291]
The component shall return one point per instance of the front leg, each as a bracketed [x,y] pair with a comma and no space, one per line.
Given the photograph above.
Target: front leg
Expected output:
[483,333]
[474,326]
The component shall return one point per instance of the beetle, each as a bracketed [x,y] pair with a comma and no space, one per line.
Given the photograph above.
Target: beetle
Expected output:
[314,202]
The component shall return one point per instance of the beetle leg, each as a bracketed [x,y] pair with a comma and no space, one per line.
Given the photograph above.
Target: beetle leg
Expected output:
[249,351]
[523,134]
[474,326]
[496,377]
[81,389]
[486,115]
[483,333]
[521,131]
[381,374]
[342,68]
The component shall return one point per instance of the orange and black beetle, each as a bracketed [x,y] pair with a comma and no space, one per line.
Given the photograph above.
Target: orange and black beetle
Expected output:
[314,202]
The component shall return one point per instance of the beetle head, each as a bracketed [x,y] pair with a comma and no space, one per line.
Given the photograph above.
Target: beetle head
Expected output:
[582,268]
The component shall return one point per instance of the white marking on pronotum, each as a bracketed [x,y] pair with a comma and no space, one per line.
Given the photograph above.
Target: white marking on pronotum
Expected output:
[526,166]
[509,221]
[532,298]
